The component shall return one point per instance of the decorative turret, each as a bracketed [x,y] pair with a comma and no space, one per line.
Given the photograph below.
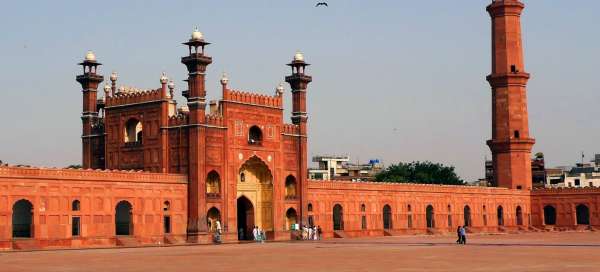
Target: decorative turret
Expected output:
[89,81]
[196,63]
[171,86]
[113,80]
[279,89]
[299,82]
[163,83]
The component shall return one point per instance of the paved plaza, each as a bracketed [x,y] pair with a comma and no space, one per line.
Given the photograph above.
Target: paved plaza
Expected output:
[570,251]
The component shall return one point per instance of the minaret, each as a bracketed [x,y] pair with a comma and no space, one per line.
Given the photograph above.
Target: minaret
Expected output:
[511,143]
[196,63]
[89,81]
[299,82]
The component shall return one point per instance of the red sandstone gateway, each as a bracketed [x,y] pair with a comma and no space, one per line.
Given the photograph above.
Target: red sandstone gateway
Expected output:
[176,171]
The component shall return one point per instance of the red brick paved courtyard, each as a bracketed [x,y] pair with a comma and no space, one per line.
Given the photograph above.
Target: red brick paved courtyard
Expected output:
[512,252]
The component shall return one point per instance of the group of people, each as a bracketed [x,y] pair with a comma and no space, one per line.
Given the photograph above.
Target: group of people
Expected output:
[259,234]
[461,232]
[311,232]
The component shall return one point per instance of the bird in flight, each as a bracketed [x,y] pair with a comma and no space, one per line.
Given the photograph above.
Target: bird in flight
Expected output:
[322,4]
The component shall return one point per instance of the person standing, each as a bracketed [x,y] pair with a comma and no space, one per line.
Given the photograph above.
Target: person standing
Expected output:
[310,233]
[459,235]
[255,233]
[319,232]
[218,231]
[463,234]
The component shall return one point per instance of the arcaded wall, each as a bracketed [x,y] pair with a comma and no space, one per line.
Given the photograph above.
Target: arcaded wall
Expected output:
[408,205]
[565,207]
[51,193]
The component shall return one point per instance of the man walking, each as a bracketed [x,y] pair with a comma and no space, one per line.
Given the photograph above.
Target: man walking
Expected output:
[463,234]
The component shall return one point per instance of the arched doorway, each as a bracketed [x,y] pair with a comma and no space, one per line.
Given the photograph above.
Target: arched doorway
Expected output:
[583,215]
[549,215]
[387,217]
[245,218]
[429,216]
[519,216]
[338,217]
[123,222]
[500,213]
[467,215]
[255,182]
[291,218]
[212,216]
[22,219]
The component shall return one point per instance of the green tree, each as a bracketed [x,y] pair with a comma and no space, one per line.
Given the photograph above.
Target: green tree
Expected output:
[74,166]
[420,172]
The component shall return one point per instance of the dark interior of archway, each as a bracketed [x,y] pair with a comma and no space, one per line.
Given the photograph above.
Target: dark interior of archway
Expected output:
[123,218]
[22,219]
[245,218]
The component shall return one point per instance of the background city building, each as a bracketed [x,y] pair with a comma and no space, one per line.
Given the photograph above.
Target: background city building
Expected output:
[341,168]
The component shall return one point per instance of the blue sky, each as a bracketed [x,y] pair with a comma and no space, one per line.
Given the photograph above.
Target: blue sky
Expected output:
[394,80]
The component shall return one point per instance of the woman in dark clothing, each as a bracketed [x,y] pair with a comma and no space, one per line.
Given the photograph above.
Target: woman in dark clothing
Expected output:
[459,234]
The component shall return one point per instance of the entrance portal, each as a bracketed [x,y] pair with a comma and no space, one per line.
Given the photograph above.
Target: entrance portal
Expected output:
[245,218]
[549,215]
[429,216]
[212,216]
[387,217]
[500,213]
[255,183]
[583,215]
[22,219]
[123,224]
[467,215]
[519,216]
[338,217]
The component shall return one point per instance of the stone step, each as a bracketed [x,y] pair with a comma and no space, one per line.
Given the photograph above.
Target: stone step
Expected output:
[25,244]
[339,234]
[127,241]
[174,240]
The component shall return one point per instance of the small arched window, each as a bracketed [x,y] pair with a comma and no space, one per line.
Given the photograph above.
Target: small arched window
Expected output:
[75,206]
[255,136]
[310,207]
[409,208]
[133,131]
[213,183]
[363,208]
[166,206]
[290,187]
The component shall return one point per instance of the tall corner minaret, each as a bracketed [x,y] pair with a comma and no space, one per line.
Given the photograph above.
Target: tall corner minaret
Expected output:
[196,63]
[89,81]
[511,143]
[298,81]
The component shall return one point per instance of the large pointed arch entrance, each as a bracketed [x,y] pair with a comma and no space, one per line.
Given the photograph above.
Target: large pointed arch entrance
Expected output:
[255,184]
[245,218]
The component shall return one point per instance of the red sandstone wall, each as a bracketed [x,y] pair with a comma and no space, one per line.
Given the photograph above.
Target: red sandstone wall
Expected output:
[565,202]
[51,191]
[323,195]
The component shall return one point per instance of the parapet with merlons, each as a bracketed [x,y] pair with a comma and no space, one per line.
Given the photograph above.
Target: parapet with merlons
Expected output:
[58,174]
[178,120]
[214,120]
[127,96]
[252,98]
[565,190]
[291,129]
